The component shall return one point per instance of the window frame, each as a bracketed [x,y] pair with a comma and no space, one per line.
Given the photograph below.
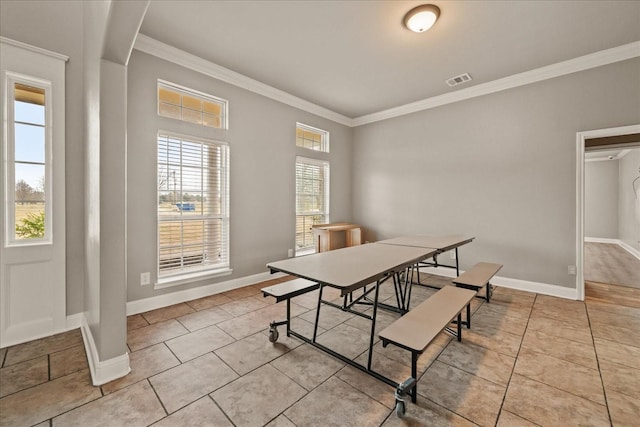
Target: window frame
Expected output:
[224,104]
[9,160]
[185,275]
[326,168]
[324,143]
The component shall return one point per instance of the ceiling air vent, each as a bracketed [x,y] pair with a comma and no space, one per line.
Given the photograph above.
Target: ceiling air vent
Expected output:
[462,78]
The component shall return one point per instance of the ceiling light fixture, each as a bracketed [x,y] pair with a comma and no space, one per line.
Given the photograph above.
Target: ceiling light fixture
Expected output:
[421,18]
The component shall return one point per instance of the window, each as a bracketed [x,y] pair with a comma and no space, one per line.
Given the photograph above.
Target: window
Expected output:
[191,106]
[193,205]
[28,165]
[312,138]
[312,200]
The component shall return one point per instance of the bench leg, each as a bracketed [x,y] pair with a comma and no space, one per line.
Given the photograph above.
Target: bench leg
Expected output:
[489,291]
[410,387]
[469,316]
[459,326]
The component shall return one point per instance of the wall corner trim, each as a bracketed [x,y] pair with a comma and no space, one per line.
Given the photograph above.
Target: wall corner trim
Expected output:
[102,371]
[521,285]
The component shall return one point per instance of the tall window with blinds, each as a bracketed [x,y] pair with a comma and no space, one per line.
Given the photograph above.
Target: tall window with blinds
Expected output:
[312,200]
[193,205]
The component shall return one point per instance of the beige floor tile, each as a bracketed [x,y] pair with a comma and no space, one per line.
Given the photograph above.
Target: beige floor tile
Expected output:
[243,305]
[624,409]
[329,316]
[154,334]
[375,389]
[37,348]
[614,319]
[202,412]
[561,329]
[67,361]
[240,293]
[307,366]
[424,360]
[308,300]
[572,316]
[567,376]
[136,405]
[511,309]
[383,319]
[513,325]
[144,364]
[613,308]
[465,394]
[390,368]
[47,400]
[23,375]
[302,327]
[428,414]
[507,419]
[488,364]
[259,320]
[208,302]
[281,421]
[513,296]
[136,321]
[253,351]
[564,304]
[194,344]
[628,336]
[166,313]
[192,380]
[345,340]
[493,339]
[620,378]
[572,351]
[621,354]
[549,406]
[332,403]
[258,397]
[203,318]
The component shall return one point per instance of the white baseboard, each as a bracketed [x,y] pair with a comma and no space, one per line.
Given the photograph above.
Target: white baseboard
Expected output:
[101,371]
[521,285]
[164,300]
[633,251]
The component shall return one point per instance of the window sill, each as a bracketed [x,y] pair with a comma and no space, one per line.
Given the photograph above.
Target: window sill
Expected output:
[182,279]
[305,252]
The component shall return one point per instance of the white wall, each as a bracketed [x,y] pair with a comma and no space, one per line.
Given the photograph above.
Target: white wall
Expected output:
[629,202]
[500,167]
[601,199]
[261,137]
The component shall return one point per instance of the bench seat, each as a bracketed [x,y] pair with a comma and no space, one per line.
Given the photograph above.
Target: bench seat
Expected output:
[478,276]
[419,327]
[284,292]
[290,289]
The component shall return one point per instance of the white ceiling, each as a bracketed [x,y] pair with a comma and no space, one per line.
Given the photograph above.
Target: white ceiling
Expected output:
[356,58]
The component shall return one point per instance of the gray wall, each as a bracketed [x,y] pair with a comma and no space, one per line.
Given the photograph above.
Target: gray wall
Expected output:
[500,167]
[261,137]
[629,203]
[58,26]
[601,199]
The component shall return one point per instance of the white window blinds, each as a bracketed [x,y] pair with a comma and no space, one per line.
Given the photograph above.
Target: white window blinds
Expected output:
[312,200]
[193,204]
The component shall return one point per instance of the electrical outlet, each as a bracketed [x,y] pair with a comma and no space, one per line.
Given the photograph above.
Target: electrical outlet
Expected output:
[572,270]
[145,278]
[452,254]
[290,253]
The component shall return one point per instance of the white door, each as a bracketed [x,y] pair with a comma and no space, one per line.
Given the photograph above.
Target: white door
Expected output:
[32,252]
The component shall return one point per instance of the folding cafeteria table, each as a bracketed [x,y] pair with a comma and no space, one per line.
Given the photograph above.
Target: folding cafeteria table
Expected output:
[350,269]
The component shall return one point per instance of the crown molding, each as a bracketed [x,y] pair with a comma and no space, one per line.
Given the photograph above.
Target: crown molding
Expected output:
[55,55]
[581,63]
[161,50]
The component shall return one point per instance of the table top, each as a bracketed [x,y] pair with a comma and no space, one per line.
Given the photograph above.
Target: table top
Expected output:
[351,268]
[441,243]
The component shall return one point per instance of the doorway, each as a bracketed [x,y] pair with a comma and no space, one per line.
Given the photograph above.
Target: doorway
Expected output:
[608,216]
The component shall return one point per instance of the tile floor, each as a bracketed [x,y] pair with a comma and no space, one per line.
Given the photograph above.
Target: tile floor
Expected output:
[528,360]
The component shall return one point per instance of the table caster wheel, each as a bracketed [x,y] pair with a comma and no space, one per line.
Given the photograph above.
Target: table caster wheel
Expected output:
[273,335]
[400,408]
